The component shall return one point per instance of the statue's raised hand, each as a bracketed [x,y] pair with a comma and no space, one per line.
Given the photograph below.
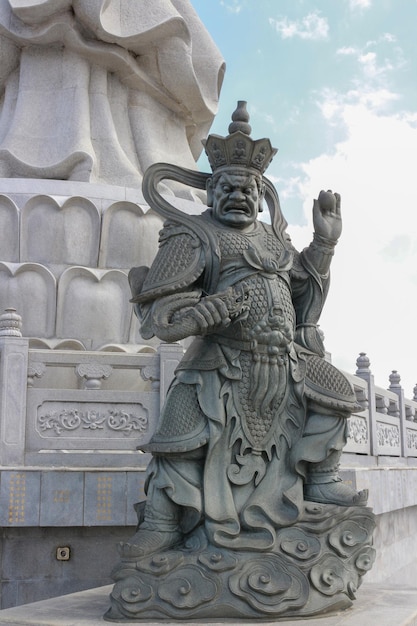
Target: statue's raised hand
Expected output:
[326,215]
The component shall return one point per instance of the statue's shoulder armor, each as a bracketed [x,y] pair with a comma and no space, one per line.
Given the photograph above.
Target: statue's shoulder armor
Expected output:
[177,265]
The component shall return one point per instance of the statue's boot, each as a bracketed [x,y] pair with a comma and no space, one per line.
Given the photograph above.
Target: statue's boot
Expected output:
[323,484]
[159,530]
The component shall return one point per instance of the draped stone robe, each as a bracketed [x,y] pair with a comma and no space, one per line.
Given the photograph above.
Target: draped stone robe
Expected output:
[97,90]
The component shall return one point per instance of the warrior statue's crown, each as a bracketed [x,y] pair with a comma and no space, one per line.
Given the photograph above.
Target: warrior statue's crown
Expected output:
[238,148]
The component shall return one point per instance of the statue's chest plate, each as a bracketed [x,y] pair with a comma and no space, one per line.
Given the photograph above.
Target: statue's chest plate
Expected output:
[233,244]
[266,297]
[254,260]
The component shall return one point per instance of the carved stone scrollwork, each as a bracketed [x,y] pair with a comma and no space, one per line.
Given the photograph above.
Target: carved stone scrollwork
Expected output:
[59,421]
[411,439]
[35,370]
[82,421]
[92,374]
[126,422]
[358,429]
[319,561]
[152,373]
[388,435]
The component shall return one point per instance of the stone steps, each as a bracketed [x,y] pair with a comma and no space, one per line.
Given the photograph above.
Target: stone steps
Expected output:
[376,605]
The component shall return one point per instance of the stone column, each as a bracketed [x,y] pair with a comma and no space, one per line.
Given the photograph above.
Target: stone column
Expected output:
[363,371]
[170,355]
[395,386]
[14,350]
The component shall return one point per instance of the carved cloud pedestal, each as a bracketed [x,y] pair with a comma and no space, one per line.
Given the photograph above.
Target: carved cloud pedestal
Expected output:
[315,567]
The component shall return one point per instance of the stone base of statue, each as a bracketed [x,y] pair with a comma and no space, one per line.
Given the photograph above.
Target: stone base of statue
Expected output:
[315,567]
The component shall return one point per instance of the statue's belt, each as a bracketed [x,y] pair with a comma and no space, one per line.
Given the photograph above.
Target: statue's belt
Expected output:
[250,346]
[268,375]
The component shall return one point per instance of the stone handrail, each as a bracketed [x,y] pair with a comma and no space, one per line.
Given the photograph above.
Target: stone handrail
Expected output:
[388,424]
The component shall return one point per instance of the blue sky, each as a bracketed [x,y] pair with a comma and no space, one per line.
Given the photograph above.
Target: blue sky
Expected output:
[333,84]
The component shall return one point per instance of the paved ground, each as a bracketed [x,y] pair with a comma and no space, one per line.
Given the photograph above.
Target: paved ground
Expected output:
[376,605]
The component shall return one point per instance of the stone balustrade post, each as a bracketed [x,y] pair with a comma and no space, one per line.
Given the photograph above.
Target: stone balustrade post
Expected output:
[364,372]
[14,351]
[395,386]
[170,354]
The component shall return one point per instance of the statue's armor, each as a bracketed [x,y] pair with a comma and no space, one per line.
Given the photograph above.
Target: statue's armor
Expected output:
[178,264]
[271,363]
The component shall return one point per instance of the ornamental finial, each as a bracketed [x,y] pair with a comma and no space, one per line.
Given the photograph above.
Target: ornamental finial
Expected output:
[240,119]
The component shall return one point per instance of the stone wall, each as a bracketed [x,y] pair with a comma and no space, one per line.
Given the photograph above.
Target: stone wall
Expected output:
[31,571]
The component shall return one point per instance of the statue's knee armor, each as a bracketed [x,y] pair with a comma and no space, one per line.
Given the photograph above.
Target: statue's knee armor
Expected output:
[182,426]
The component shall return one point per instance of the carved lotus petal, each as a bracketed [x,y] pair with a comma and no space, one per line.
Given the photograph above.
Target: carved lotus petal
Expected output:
[132,592]
[365,559]
[218,561]
[187,588]
[329,575]
[347,536]
[270,584]
[298,544]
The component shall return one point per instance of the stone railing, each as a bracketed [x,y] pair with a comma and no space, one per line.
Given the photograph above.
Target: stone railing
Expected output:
[68,408]
[70,425]
[388,424]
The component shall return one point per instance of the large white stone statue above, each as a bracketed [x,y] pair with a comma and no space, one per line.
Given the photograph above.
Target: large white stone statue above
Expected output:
[98,90]
[92,92]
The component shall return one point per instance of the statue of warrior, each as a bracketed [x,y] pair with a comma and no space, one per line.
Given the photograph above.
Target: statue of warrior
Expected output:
[255,420]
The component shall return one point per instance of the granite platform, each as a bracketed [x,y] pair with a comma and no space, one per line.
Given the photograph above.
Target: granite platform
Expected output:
[376,605]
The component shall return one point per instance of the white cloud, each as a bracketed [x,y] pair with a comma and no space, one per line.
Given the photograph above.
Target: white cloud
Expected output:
[335,107]
[233,6]
[371,305]
[370,66]
[376,61]
[360,4]
[347,51]
[311,26]
[389,37]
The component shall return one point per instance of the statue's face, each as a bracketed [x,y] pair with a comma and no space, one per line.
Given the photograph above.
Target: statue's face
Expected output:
[235,199]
